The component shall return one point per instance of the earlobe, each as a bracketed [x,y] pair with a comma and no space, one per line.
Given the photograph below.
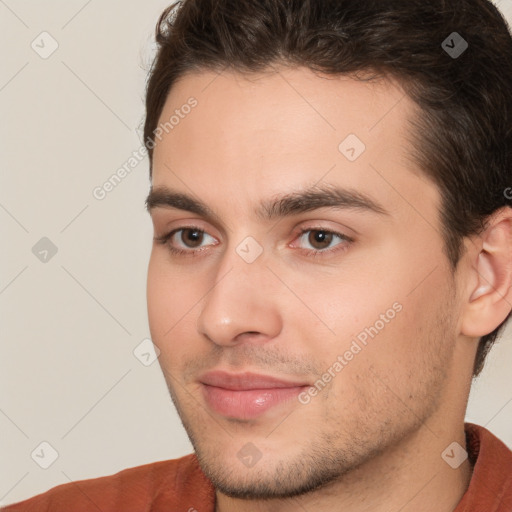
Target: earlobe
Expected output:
[490,300]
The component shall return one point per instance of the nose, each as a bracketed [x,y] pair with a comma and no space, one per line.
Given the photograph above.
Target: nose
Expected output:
[243,304]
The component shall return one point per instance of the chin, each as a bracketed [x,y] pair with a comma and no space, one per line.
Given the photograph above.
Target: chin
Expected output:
[276,475]
[279,482]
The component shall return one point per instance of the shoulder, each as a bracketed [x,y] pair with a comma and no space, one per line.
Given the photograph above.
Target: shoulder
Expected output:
[490,487]
[172,482]
[484,447]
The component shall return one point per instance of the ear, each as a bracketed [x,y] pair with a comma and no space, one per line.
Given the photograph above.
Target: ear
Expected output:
[490,300]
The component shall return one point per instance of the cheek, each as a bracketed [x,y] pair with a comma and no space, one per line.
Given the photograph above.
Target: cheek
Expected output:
[167,299]
[407,358]
[344,305]
[393,328]
[158,298]
[171,300]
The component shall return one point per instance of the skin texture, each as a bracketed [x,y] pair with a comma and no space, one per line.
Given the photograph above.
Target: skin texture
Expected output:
[372,438]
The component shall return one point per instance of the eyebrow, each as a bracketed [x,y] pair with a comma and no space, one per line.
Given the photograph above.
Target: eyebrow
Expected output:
[293,203]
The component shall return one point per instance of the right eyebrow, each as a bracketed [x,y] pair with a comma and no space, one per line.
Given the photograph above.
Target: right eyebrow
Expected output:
[164,197]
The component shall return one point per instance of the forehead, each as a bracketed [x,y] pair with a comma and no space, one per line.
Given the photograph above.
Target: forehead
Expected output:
[258,135]
[284,110]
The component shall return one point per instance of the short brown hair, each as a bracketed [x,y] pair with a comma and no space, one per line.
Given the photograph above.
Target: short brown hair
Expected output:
[463,138]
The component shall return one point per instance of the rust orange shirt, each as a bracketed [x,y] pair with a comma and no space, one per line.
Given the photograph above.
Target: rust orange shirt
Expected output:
[179,485]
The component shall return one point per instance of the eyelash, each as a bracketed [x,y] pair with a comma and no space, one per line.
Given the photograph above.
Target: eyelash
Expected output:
[164,239]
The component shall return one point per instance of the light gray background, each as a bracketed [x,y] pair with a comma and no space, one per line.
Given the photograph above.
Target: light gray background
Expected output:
[69,326]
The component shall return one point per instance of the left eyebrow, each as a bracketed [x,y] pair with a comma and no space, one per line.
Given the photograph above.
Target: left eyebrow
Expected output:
[293,203]
[316,197]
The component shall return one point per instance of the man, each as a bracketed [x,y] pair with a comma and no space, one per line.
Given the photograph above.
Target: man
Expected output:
[332,260]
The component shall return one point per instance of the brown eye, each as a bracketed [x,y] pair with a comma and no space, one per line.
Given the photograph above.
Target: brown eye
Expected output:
[320,239]
[191,237]
[322,242]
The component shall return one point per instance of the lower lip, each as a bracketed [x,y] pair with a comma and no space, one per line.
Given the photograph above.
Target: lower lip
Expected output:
[247,404]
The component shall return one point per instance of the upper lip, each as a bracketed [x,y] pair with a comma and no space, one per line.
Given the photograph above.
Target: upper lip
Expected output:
[245,381]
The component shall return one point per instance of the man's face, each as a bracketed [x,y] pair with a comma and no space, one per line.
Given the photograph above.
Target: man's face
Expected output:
[351,309]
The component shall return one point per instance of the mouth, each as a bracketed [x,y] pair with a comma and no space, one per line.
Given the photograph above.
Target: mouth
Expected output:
[246,395]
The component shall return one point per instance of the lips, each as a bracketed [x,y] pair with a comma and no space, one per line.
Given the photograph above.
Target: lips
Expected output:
[246,395]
